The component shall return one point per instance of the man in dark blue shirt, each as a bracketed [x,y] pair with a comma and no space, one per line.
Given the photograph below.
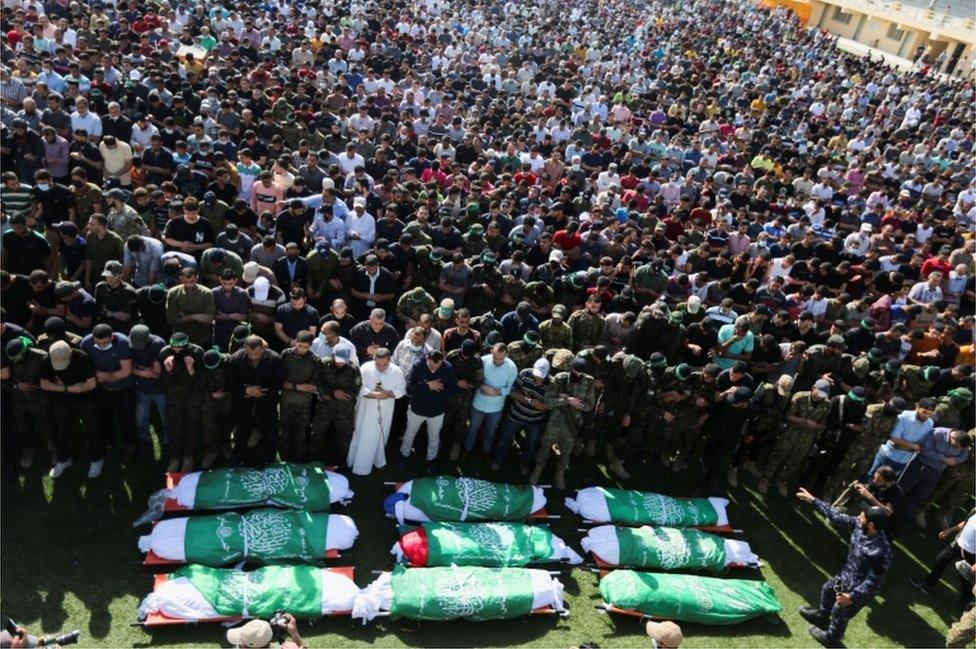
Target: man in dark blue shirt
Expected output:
[868,560]
[515,324]
[115,396]
[432,382]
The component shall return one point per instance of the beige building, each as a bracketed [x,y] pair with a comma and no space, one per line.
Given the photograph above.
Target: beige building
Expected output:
[899,28]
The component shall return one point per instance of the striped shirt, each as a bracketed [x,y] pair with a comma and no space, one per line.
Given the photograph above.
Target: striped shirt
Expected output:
[15,201]
[525,383]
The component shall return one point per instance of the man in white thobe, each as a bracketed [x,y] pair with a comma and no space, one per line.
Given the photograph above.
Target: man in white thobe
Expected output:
[383,383]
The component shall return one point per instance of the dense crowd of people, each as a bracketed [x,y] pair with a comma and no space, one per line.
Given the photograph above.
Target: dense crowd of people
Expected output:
[692,234]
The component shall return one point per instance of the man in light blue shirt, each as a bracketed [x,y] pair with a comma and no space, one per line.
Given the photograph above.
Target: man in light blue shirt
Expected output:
[903,443]
[735,343]
[489,400]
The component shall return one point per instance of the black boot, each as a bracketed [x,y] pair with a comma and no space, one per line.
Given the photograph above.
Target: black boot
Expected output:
[814,616]
[822,637]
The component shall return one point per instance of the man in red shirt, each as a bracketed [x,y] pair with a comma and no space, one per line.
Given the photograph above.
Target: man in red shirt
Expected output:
[568,239]
[938,263]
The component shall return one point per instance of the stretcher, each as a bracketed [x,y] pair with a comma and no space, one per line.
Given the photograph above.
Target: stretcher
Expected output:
[156,619]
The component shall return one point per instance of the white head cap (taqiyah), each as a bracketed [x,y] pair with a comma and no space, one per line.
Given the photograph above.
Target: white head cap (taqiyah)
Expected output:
[261,288]
[694,304]
[256,633]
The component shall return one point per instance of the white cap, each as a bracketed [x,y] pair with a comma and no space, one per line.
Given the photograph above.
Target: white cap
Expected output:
[261,288]
[540,368]
[250,271]
[359,201]
[556,255]
[866,227]
[328,183]
[256,633]
[694,304]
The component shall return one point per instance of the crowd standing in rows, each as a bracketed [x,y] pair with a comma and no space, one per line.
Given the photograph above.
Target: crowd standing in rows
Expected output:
[686,234]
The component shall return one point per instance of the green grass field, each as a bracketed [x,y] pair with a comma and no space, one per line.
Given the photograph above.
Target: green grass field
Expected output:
[69,560]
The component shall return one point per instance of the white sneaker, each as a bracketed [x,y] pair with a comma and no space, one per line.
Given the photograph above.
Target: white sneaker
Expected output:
[59,468]
[95,469]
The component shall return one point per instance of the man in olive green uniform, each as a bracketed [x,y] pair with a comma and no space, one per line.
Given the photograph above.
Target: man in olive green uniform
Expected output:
[322,264]
[429,266]
[524,353]
[587,324]
[486,284]
[949,409]
[569,395]
[215,416]
[678,413]
[541,298]
[821,359]
[512,292]
[571,290]
[338,390]
[917,382]
[181,361]
[805,419]
[117,301]
[617,403]
[879,419]
[647,413]
[413,304]
[555,332]
[190,308]
[32,421]
[469,371]
[302,376]
[770,402]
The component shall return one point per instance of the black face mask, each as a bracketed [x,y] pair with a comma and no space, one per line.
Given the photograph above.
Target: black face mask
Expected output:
[575,377]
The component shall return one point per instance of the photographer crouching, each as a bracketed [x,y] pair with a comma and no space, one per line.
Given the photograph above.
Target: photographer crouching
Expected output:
[260,633]
[14,635]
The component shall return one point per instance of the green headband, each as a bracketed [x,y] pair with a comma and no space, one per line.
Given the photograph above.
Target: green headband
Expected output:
[960,393]
[854,397]
[28,343]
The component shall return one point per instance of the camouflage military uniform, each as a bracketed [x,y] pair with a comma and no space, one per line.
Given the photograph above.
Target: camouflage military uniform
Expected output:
[948,412]
[567,294]
[330,411]
[618,399]
[524,354]
[32,417]
[556,334]
[44,341]
[819,362]
[512,291]
[413,304]
[295,407]
[860,454]
[455,427]
[565,420]
[955,489]
[588,329]
[770,407]
[123,299]
[794,440]
[646,417]
[182,400]
[915,385]
[679,415]
[540,296]
[478,299]
[428,274]
[215,415]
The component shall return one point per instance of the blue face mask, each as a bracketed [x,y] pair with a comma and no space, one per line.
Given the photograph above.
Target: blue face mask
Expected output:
[42,187]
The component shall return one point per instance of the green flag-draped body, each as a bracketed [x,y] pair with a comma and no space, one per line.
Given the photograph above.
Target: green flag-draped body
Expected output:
[689,598]
[262,535]
[446,498]
[461,592]
[487,544]
[628,507]
[295,589]
[668,548]
[294,486]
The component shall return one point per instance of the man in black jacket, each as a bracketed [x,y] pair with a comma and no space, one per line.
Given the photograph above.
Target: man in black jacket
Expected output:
[255,375]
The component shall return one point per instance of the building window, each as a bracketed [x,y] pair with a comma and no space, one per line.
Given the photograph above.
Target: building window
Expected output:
[841,17]
[894,33]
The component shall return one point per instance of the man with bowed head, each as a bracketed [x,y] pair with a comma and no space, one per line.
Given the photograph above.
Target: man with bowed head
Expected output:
[383,383]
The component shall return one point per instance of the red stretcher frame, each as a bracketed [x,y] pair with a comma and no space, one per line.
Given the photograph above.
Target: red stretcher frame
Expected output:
[538,515]
[154,620]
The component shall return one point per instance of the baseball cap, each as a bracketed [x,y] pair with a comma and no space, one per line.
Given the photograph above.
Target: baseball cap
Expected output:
[340,355]
[694,304]
[112,268]
[138,337]
[559,311]
[60,354]
[664,635]
[359,201]
[836,341]
[261,288]
[256,633]
[250,273]
[64,289]
[66,228]
[540,368]
[823,387]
